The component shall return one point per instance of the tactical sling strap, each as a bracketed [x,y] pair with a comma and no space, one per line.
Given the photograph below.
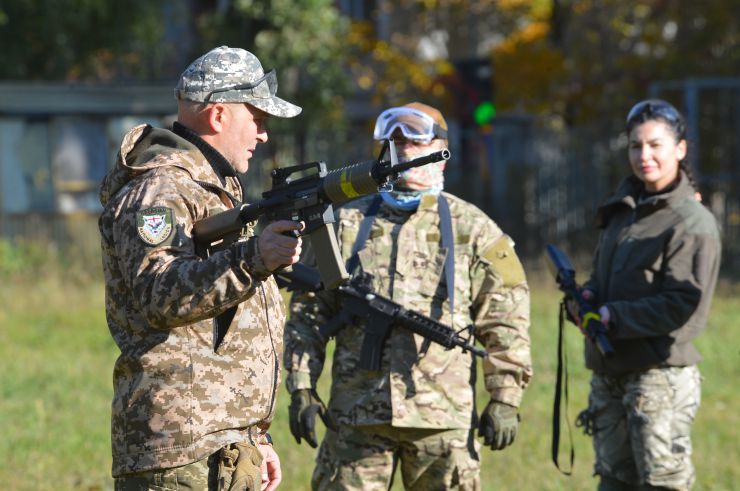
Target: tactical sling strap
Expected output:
[561,389]
[448,242]
[363,233]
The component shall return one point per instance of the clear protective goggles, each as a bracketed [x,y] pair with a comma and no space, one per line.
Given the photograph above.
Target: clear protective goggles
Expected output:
[414,124]
[264,87]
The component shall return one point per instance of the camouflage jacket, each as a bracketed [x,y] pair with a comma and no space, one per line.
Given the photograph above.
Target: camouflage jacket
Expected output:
[420,385]
[178,394]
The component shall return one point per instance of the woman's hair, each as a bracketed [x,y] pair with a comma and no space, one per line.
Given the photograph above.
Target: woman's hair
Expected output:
[658,109]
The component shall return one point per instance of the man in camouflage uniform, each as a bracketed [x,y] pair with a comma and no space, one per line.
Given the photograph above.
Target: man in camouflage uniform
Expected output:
[419,408]
[200,330]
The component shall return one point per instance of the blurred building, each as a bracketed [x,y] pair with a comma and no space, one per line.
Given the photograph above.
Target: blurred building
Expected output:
[57,141]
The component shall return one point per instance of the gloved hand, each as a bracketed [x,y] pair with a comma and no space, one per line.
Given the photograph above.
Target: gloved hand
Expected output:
[304,404]
[498,425]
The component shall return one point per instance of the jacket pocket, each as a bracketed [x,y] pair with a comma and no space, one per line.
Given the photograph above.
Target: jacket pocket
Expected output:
[426,271]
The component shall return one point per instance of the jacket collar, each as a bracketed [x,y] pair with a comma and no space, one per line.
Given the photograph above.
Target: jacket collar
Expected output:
[145,148]
[220,165]
[631,193]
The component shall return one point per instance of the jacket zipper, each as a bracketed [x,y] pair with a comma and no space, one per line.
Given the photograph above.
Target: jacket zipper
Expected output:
[624,232]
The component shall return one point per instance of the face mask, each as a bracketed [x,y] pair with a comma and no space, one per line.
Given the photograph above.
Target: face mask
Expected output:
[428,177]
[401,200]
[412,185]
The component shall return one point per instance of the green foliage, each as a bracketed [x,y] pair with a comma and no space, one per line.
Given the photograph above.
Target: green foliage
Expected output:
[21,259]
[54,400]
[29,259]
[582,60]
[92,40]
[303,40]
[589,60]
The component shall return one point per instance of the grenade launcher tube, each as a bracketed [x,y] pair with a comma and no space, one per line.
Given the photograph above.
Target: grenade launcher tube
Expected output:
[311,199]
[338,187]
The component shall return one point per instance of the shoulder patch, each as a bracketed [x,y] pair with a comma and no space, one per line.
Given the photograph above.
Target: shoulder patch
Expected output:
[504,260]
[154,224]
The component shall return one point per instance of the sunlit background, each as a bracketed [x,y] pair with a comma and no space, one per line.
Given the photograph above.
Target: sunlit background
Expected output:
[535,93]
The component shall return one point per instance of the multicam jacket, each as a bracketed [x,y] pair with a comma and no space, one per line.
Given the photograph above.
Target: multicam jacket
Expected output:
[655,269]
[420,384]
[179,392]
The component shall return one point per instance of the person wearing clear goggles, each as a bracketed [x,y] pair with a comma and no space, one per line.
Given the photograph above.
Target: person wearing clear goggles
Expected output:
[411,122]
[440,256]
[416,129]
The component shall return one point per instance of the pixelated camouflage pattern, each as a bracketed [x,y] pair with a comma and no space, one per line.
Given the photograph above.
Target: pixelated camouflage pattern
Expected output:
[421,384]
[191,476]
[235,467]
[642,426]
[363,458]
[225,67]
[176,400]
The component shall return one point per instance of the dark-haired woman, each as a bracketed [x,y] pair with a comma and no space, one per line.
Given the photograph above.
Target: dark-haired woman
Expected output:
[655,269]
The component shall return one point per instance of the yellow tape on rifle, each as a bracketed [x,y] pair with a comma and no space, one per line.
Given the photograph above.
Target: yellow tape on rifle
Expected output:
[347,188]
[589,316]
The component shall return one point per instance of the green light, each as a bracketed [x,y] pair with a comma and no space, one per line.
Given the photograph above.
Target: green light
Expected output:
[484,113]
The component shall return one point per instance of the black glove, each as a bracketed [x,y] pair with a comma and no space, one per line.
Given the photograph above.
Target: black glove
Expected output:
[498,425]
[304,404]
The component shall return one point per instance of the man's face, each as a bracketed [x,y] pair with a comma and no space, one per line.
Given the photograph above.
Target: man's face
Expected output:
[245,130]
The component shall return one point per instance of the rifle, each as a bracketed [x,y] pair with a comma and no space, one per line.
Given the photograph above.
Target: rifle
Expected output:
[591,325]
[311,199]
[358,300]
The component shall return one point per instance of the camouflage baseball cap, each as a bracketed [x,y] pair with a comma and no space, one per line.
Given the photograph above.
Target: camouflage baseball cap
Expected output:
[233,75]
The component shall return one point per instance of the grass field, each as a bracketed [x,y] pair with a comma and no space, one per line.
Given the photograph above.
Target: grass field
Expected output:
[55,383]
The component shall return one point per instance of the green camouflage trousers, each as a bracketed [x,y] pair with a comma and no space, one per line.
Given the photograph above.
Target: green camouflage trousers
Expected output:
[234,468]
[642,427]
[365,458]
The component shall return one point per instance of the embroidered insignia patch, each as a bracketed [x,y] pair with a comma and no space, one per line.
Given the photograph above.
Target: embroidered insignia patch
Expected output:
[154,224]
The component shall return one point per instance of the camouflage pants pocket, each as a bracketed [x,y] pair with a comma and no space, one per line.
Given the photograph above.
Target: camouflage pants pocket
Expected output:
[192,476]
[325,472]
[354,459]
[441,460]
[662,405]
[608,425]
